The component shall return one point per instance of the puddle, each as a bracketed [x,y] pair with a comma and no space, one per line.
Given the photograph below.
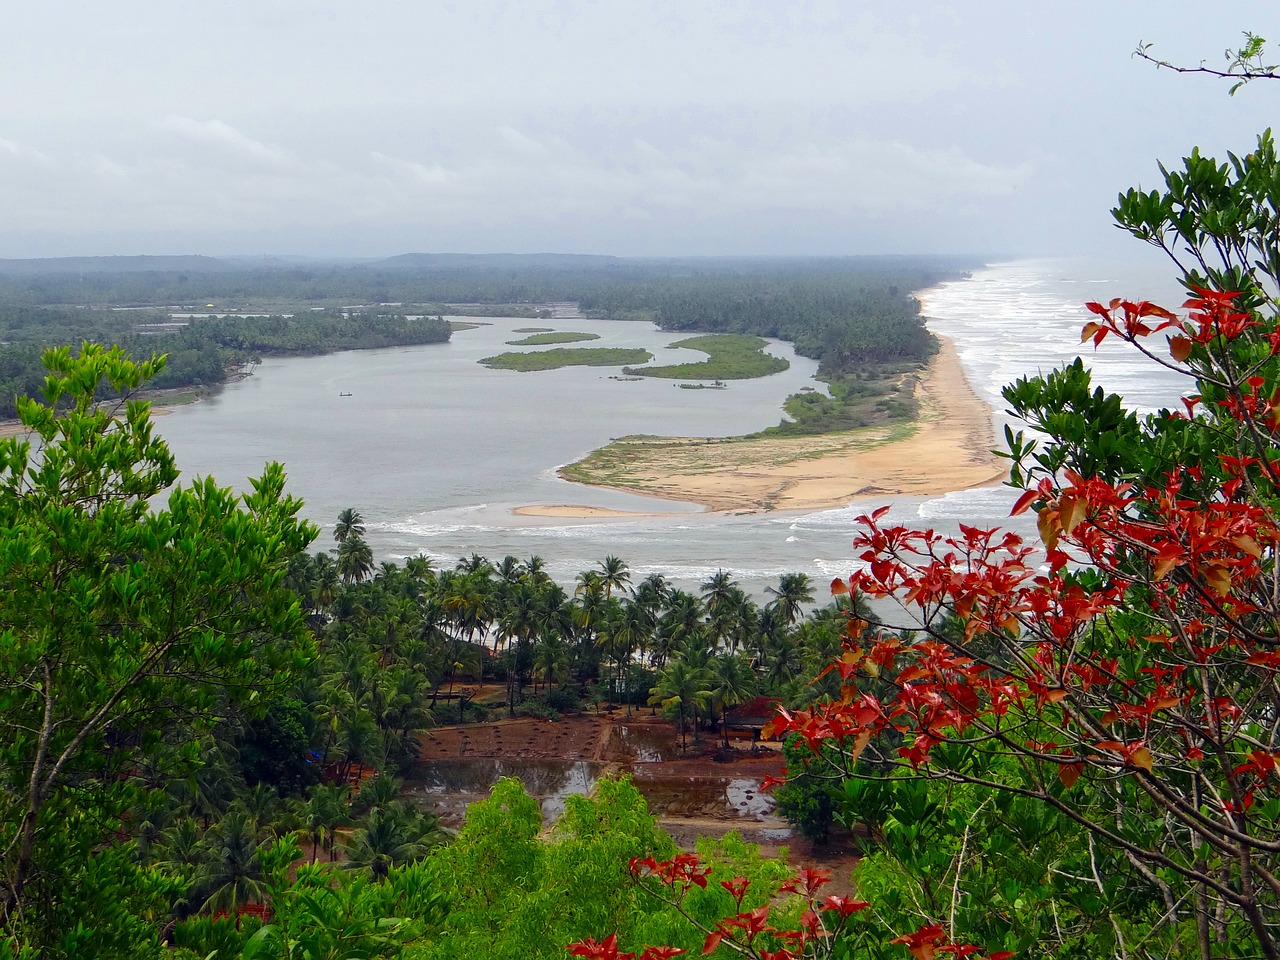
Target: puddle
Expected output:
[644,743]
[711,796]
[447,786]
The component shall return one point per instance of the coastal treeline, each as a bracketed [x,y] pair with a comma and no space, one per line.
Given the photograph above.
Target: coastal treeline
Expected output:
[201,350]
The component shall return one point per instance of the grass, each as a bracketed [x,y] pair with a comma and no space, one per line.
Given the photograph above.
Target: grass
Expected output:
[567,357]
[730,356]
[542,339]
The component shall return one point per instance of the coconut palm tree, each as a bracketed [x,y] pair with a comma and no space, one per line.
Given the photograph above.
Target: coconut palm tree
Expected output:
[350,524]
[355,559]
[614,574]
[793,592]
[230,873]
[325,583]
[475,564]
[686,688]
[535,570]
[518,625]
[392,836]
[509,569]
[325,810]
[716,590]
[180,851]
[732,682]
[632,631]
[420,572]
[680,626]
[551,660]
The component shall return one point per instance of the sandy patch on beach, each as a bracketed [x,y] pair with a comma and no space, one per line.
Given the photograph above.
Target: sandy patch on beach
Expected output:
[948,448]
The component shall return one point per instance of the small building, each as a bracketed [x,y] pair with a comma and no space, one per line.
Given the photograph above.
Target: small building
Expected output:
[747,720]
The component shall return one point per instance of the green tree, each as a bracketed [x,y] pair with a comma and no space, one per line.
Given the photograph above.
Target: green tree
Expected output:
[230,874]
[794,590]
[123,613]
[732,682]
[355,560]
[350,524]
[393,835]
[686,689]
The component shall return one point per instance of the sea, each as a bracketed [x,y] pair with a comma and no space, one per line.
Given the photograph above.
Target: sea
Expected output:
[435,450]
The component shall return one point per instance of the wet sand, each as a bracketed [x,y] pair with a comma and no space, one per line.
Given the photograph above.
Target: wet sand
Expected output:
[948,448]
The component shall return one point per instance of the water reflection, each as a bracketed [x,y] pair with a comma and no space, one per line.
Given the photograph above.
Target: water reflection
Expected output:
[645,743]
[448,786]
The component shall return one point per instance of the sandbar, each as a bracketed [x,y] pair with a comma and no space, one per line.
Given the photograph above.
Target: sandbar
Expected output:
[947,448]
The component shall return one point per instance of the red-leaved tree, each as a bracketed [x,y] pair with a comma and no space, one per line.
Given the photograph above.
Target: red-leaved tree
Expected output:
[823,924]
[1124,670]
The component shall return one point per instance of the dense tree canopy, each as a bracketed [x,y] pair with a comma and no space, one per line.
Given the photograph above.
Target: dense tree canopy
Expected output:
[122,616]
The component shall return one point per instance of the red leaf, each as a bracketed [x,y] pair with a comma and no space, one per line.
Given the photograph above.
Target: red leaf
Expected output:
[1024,501]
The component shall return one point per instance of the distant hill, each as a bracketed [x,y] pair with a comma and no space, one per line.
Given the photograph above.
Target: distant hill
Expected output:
[113,265]
[492,261]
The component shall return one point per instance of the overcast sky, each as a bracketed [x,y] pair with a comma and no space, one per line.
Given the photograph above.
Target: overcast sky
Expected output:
[610,126]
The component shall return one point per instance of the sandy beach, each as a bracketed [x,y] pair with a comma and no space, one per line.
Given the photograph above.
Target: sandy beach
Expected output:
[948,448]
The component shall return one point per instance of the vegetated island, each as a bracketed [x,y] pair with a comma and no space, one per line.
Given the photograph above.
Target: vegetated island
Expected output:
[567,357]
[730,356]
[945,447]
[545,339]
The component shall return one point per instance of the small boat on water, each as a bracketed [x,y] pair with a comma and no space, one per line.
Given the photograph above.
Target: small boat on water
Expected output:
[344,394]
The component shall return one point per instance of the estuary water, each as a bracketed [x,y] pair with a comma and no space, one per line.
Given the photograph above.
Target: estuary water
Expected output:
[436,450]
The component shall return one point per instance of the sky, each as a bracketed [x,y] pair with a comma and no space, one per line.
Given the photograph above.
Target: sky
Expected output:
[654,128]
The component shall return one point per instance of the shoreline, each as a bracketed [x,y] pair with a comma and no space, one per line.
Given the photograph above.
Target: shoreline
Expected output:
[946,448]
[161,406]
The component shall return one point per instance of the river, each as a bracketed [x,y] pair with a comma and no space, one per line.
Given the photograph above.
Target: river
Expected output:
[435,450]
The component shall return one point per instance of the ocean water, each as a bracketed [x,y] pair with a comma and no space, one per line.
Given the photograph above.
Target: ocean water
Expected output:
[435,450]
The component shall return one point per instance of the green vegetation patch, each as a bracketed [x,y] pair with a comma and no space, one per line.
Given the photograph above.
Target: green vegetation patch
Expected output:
[883,393]
[532,330]
[543,339]
[568,357]
[730,356]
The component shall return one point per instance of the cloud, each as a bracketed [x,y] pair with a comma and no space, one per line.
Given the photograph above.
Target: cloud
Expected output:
[204,177]
[227,139]
[13,150]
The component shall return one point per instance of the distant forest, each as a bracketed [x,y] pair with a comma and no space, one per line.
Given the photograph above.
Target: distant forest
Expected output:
[854,315]
[200,353]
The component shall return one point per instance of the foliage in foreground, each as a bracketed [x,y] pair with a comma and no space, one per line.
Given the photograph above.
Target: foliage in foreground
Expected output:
[123,623]
[1129,687]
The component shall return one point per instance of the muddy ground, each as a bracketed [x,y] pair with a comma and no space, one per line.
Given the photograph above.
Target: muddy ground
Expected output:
[702,791]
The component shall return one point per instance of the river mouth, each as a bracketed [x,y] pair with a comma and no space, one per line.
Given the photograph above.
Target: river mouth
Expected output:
[556,760]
